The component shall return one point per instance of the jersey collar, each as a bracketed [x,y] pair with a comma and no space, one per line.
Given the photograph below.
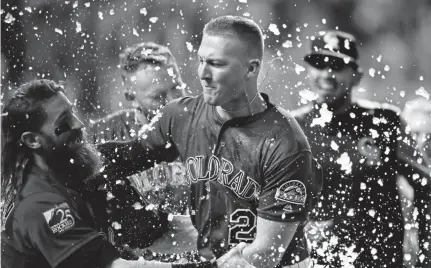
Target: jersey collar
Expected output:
[244,120]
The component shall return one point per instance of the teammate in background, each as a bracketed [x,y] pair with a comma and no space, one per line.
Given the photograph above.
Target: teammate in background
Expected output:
[151,78]
[46,165]
[416,149]
[249,164]
[358,218]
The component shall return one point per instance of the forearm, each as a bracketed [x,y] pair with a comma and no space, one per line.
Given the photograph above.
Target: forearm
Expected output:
[124,158]
[262,256]
[423,204]
[122,263]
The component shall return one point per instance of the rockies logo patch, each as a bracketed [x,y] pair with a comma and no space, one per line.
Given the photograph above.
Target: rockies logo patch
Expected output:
[59,218]
[292,192]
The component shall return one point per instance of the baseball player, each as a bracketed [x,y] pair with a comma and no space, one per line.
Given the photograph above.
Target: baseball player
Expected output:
[249,165]
[46,164]
[358,219]
[151,78]
[416,149]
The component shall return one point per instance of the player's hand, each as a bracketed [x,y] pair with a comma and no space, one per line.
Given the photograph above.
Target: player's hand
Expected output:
[234,258]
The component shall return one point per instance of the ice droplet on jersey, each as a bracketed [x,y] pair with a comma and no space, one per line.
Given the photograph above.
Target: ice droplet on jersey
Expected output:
[274,29]
[325,116]
[345,163]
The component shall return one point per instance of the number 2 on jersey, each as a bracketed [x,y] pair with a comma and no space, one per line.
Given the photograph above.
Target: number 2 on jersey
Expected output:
[242,226]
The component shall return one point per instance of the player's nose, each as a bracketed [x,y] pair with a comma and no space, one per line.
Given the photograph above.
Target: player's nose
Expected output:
[204,71]
[77,123]
[326,73]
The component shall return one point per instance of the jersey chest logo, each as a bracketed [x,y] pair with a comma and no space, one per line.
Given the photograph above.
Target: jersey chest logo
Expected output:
[201,168]
[292,192]
[368,149]
[59,218]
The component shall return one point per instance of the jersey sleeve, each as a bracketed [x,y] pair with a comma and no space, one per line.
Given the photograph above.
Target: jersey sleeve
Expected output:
[51,225]
[290,189]
[153,144]
[414,156]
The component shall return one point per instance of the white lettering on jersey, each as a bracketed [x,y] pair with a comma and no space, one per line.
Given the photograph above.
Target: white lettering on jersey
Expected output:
[222,171]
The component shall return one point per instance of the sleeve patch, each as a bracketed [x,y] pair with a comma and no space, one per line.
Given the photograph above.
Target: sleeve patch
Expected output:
[59,218]
[292,192]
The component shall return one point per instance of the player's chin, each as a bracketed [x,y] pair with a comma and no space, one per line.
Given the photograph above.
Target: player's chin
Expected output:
[211,99]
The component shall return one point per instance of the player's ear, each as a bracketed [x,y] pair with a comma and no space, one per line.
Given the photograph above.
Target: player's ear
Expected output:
[31,140]
[253,68]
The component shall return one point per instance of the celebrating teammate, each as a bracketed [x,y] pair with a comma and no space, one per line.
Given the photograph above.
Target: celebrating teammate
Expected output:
[151,78]
[45,161]
[46,164]
[358,218]
[417,150]
[249,164]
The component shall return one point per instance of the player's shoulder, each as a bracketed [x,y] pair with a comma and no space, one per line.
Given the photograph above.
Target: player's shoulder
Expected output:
[188,101]
[286,130]
[380,109]
[184,105]
[33,208]
[120,115]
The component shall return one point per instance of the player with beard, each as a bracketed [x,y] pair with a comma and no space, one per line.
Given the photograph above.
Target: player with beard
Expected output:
[151,78]
[358,219]
[248,163]
[45,161]
[45,164]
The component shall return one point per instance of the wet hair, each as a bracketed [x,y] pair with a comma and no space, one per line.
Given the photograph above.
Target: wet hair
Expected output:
[245,29]
[149,54]
[23,112]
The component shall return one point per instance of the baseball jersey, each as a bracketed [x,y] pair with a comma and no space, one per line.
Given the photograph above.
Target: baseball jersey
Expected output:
[358,151]
[47,224]
[238,170]
[121,209]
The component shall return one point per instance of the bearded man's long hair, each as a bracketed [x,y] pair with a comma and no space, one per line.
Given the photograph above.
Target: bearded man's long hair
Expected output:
[23,112]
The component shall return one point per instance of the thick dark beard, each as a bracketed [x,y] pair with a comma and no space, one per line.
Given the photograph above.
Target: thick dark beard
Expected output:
[75,164]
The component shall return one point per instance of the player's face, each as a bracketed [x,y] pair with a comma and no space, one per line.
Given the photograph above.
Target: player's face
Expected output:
[150,87]
[61,126]
[222,70]
[331,80]
[63,141]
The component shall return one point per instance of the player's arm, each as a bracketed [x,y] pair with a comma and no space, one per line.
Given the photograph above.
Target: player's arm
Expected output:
[154,144]
[412,162]
[278,215]
[51,226]
[272,239]
[122,263]
[413,165]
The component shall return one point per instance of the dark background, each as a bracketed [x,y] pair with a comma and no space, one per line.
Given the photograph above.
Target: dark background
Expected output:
[78,41]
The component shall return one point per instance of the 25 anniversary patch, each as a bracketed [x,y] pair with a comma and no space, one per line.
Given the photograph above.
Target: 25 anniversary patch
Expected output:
[59,218]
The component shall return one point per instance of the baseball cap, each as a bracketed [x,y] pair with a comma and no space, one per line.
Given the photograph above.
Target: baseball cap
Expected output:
[334,46]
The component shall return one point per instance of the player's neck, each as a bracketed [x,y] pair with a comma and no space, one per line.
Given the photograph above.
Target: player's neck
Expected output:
[339,105]
[254,104]
[41,163]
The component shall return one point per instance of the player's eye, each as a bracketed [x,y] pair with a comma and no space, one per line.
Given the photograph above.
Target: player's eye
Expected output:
[62,128]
